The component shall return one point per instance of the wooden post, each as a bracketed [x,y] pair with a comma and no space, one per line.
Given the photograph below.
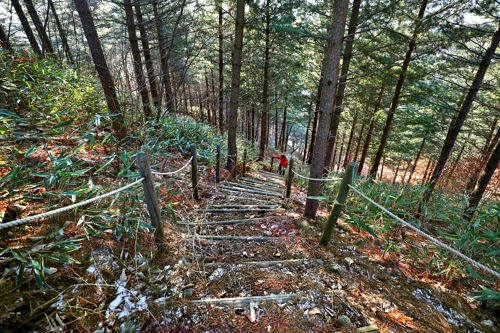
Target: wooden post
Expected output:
[144,167]
[217,165]
[337,207]
[272,161]
[289,178]
[244,162]
[194,172]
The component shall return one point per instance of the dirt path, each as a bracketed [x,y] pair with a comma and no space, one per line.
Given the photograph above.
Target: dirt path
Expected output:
[241,259]
[249,246]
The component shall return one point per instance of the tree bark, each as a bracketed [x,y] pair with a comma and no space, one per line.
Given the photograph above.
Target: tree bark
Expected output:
[456,125]
[484,180]
[235,86]
[221,70]
[331,66]
[315,121]
[4,40]
[46,44]
[489,146]
[339,98]
[26,27]
[349,142]
[370,130]
[284,136]
[418,157]
[164,54]
[137,62]
[358,144]
[62,34]
[307,132]
[264,133]
[101,66]
[153,84]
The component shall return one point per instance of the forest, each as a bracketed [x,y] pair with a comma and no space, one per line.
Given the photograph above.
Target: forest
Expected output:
[390,103]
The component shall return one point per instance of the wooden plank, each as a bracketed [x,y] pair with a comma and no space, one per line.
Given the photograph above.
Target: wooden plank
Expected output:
[241,189]
[228,222]
[368,329]
[241,301]
[243,206]
[259,185]
[239,238]
[261,264]
[235,210]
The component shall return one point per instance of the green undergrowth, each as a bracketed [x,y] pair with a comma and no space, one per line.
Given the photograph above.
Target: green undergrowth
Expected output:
[441,218]
[57,150]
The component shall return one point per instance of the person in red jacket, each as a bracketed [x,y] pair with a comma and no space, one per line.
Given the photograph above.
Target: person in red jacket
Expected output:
[283,163]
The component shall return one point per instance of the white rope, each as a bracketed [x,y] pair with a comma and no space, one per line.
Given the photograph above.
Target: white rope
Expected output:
[318,179]
[173,172]
[423,234]
[63,209]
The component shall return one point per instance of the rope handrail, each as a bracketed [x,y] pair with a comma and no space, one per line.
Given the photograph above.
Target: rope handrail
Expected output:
[173,172]
[318,179]
[63,209]
[423,234]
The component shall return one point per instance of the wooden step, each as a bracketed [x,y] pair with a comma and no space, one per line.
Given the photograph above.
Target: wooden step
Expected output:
[241,189]
[242,301]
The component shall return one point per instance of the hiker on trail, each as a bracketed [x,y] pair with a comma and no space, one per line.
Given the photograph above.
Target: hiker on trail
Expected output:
[283,163]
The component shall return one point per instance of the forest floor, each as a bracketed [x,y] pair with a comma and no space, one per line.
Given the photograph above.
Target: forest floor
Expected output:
[118,287]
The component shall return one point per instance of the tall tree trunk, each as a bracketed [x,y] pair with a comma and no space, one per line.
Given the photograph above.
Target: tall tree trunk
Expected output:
[62,34]
[253,124]
[101,66]
[339,98]
[276,139]
[339,163]
[358,144]
[26,27]
[46,44]
[349,142]
[284,138]
[304,155]
[315,121]
[484,180]
[456,125]
[331,66]
[235,86]
[165,71]
[399,86]
[397,169]
[370,130]
[221,70]
[137,62]
[427,168]
[207,96]
[457,160]
[153,84]
[418,156]
[214,111]
[4,40]
[264,131]
[487,150]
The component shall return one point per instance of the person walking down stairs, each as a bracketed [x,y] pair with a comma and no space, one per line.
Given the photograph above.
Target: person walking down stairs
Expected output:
[283,163]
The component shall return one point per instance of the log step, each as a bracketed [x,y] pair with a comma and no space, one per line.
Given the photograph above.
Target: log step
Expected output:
[241,189]
[261,264]
[234,238]
[368,329]
[227,222]
[242,301]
